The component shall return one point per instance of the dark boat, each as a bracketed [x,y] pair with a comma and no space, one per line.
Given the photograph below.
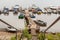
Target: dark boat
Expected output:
[32,16]
[21,16]
[41,23]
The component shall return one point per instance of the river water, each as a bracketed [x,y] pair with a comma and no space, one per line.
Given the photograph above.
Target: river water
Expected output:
[12,20]
[49,18]
[19,23]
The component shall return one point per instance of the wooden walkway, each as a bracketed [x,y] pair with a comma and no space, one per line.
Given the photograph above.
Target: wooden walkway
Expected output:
[32,25]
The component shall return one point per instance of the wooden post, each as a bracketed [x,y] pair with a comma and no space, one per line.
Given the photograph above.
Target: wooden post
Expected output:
[33,25]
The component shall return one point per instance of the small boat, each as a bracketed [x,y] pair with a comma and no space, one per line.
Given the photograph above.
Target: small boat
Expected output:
[16,9]
[21,16]
[6,11]
[41,23]
[31,15]
[15,12]
[10,29]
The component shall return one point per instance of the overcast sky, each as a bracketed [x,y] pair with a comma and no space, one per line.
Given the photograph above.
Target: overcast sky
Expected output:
[27,3]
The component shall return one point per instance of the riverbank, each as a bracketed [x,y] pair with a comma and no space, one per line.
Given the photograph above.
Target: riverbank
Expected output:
[7,35]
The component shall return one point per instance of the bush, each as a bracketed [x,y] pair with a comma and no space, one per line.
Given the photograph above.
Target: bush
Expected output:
[50,37]
[13,38]
[41,36]
[29,36]
[58,34]
[26,34]
[19,37]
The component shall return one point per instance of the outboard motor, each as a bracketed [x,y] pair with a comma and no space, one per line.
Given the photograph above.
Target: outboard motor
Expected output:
[59,12]
[0,13]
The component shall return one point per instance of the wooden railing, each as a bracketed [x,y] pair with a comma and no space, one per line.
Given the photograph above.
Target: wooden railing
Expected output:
[7,24]
[53,23]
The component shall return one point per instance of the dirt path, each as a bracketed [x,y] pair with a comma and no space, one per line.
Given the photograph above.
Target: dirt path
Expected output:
[6,35]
